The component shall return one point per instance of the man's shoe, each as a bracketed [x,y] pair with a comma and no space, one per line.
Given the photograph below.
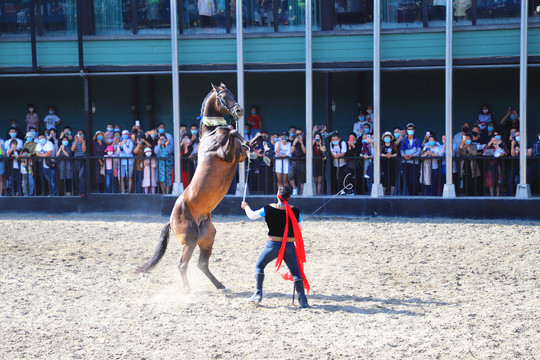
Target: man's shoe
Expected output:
[256,298]
[302,299]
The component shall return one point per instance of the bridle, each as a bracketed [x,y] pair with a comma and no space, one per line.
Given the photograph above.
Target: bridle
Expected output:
[231,109]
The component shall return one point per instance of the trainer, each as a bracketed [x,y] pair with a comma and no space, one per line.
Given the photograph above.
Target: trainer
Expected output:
[284,243]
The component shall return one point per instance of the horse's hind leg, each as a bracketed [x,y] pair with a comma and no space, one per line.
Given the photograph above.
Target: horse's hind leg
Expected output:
[187,252]
[206,242]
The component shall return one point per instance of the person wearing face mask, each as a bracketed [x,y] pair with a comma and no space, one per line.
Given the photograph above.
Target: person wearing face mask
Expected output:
[398,136]
[65,168]
[429,169]
[469,171]
[30,144]
[496,148]
[292,133]
[125,152]
[161,131]
[411,149]
[389,153]
[283,153]
[512,165]
[369,114]
[138,152]
[149,182]
[51,120]
[45,150]
[297,168]
[358,127]
[79,164]
[318,157]
[247,132]
[32,118]
[274,139]
[510,120]
[354,149]
[110,178]
[254,121]
[458,138]
[262,178]
[109,134]
[13,148]
[484,118]
[98,168]
[338,150]
[2,166]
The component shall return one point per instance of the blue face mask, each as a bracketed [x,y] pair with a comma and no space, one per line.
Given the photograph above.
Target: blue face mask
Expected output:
[65,143]
[361,118]
[29,139]
[431,143]
[397,135]
[42,141]
[33,134]
[513,117]
[335,142]
[468,142]
[410,132]
[194,131]
[100,137]
[367,130]
[364,141]
[246,132]
[518,138]
[51,112]
[12,135]
[291,134]
[276,139]
[490,128]
[253,113]
[161,130]
[387,140]
[498,137]
[125,137]
[110,129]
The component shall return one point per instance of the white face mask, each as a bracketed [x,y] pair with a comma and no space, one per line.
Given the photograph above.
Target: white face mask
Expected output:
[485,111]
[148,154]
[370,112]
[109,152]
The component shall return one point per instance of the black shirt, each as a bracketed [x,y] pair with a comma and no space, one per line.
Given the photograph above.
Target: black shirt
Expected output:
[276,220]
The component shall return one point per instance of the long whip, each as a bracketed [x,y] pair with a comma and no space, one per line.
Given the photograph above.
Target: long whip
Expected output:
[345,187]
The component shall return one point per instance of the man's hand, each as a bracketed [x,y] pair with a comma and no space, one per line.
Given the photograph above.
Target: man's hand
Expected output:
[244,205]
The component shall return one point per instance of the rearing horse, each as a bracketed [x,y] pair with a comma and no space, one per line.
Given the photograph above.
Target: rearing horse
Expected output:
[219,153]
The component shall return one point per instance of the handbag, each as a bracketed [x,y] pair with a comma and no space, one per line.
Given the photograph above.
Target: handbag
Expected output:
[50,163]
[102,171]
[488,152]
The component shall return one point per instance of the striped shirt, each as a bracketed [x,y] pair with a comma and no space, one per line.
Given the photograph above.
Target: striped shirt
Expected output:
[79,151]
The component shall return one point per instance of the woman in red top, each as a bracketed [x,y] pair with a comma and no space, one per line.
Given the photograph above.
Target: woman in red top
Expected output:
[255,121]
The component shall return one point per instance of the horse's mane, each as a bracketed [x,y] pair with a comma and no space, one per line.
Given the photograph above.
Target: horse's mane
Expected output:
[204,102]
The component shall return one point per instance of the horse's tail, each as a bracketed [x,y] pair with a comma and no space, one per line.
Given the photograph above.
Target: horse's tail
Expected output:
[159,252]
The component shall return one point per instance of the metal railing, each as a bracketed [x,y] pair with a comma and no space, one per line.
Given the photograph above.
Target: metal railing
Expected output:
[75,176]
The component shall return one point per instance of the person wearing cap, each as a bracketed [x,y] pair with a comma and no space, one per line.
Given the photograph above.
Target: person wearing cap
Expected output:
[98,150]
[149,170]
[389,152]
[30,144]
[110,179]
[138,152]
[283,153]
[285,243]
[411,147]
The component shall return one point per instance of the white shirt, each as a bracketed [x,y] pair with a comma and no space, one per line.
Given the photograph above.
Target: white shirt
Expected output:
[42,149]
[284,150]
[358,128]
[341,148]
[51,121]
[436,150]
[7,144]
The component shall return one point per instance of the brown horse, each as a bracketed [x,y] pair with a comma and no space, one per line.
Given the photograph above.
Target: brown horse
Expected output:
[219,153]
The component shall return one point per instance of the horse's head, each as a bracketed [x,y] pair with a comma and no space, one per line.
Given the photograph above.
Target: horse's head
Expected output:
[225,102]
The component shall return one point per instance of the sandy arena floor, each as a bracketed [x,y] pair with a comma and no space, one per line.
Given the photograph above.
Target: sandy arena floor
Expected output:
[381,288]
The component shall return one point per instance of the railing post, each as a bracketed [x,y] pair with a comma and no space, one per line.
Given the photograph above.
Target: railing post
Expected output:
[178,187]
[377,188]
[309,186]
[240,89]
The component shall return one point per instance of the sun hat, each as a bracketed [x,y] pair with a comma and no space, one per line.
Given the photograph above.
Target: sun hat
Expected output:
[147,149]
[387,133]
[97,133]
[109,148]
[124,132]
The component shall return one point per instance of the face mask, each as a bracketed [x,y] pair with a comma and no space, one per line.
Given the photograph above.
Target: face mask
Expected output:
[33,133]
[31,109]
[253,112]
[335,142]
[110,152]
[498,137]
[291,134]
[361,118]
[110,129]
[117,130]
[490,128]
[475,133]
[148,154]
[465,129]
[51,112]
[317,139]
[485,111]
[387,140]
[513,117]
[518,138]
[431,143]
[42,141]
[369,112]
[100,137]
[161,130]
[65,143]
[276,139]
[364,141]
[194,131]
[410,132]
[153,136]
[468,142]
[29,139]
[14,125]
[367,130]
[125,137]
[397,135]
[12,135]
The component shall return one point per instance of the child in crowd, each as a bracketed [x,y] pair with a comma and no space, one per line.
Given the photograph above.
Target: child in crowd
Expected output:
[254,121]
[149,177]
[32,118]
[26,173]
[51,120]
[110,181]
[366,153]
[109,134]
[484,118]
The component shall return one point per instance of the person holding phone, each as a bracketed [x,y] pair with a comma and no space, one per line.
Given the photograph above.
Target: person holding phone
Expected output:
[165,163]
[458,138]
[79,164]
[125,152]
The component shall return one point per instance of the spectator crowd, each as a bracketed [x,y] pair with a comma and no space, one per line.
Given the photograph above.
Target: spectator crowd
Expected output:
[46,157]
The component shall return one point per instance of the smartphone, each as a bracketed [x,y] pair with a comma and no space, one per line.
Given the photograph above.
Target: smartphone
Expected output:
[464,137]
[428,133]
[137,123]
